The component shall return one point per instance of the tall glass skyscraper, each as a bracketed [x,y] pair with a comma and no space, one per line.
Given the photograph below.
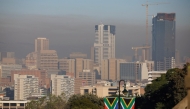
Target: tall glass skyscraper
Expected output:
[104,45]
[163,41]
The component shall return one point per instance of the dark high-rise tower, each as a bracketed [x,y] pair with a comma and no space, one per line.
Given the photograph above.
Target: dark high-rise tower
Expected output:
[163,41]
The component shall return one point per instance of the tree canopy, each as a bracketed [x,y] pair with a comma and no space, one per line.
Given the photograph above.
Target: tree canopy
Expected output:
[164,92]
[87,101]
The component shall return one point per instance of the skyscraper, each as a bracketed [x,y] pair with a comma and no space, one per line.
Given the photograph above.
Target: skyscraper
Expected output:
[104,45]
[163,41]
[41,44]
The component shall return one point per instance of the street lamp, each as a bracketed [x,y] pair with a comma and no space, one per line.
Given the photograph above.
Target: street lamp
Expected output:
[125,92]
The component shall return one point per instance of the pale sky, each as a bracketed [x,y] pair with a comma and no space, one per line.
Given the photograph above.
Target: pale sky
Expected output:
[69,25]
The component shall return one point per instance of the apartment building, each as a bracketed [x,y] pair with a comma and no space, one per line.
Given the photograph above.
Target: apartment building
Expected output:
[62,84]
[40,74]
[25,86]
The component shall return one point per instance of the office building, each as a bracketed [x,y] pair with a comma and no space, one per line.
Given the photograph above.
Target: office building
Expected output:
[62,84]
[7,61]
[88,76]
[150,65]
[47,60]
[6,69]
[177,58]
[83,64]
[92,53]
[134,71]
[25,86]
[163,40]
[154,75]
[104,45]
[6,55]
[41,44]
[110,69]
[31,60]
[75,65]
[67,65]
[75,55]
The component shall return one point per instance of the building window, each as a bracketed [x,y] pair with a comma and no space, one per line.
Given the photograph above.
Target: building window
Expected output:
[85,91]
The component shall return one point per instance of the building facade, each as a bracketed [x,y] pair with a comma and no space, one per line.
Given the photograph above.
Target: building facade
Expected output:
[134,71]
[103,91]
[75,55]
[62,84]
[88,76]
[6,55]
[6,69]
[25,86]
[47,60]
[163,40]
[104,45]
[13,104]
[41,44]
[31,60]
[154,75]
[110,69]
[40,74]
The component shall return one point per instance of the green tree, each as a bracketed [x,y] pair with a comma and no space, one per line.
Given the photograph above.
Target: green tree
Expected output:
[87,101]
[49,102]
[164,92]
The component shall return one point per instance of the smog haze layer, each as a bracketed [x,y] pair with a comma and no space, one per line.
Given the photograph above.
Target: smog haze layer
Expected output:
[69,25]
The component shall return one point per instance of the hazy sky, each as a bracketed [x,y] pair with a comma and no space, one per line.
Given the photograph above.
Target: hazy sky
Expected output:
[69,25]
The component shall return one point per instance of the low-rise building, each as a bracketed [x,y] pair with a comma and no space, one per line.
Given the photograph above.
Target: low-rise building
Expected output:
[13,104]
[103,91]
[154,75]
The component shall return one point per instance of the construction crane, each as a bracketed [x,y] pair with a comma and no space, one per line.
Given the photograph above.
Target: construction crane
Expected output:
[147,4]
[144,50]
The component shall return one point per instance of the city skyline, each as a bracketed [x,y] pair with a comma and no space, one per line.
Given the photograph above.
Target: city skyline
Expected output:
[71,29]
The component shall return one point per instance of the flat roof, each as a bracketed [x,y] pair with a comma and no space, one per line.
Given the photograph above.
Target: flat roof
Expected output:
[13,101]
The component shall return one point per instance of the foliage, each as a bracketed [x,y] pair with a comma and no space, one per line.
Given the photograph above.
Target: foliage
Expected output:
[87,101]
[50,102]
[164,92]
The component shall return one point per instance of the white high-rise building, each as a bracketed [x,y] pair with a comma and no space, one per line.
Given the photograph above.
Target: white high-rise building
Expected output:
[62,84]
[104,45]
[25,86]
[41,44]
